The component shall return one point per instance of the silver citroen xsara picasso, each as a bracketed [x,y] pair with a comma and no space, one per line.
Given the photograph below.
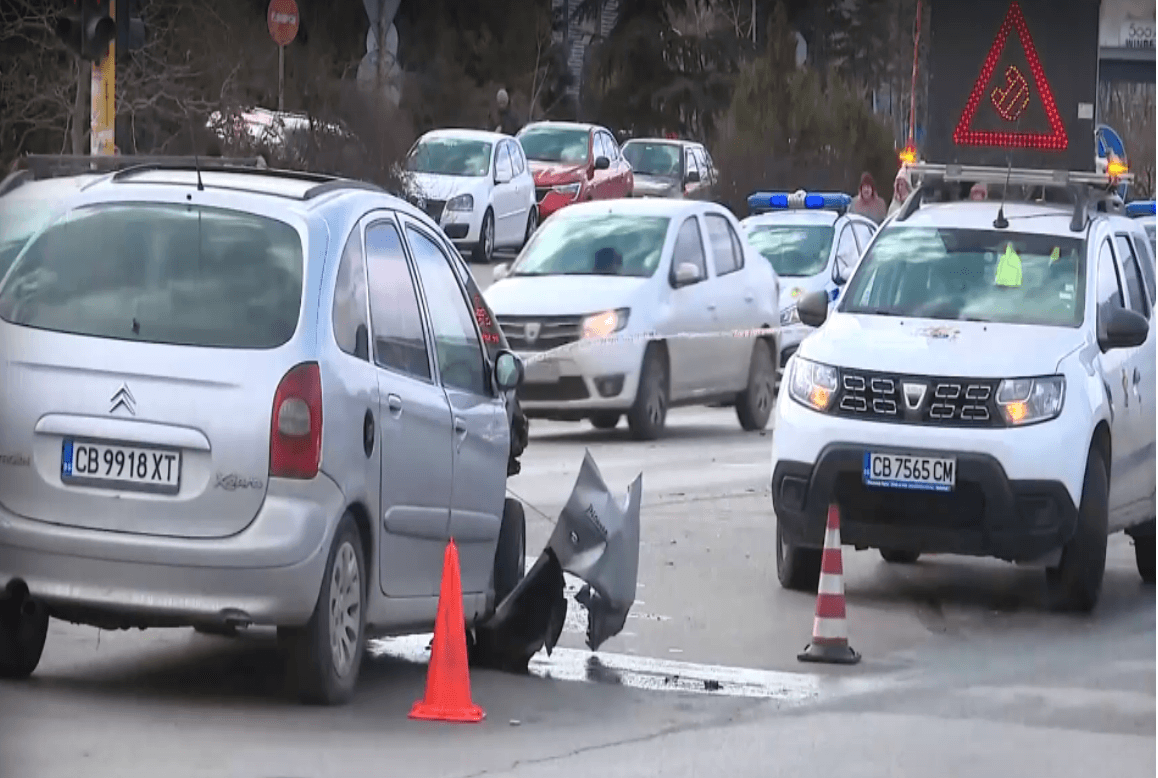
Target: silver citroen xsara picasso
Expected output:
[242,397]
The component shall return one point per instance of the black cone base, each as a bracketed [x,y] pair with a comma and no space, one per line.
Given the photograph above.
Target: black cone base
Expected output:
[829,654]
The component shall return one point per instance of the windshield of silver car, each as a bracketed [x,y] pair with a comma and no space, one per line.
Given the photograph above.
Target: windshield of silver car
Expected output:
[159,273]
[594,244]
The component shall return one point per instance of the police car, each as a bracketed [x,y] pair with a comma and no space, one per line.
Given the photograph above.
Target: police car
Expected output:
[1143,211]
[984,386]
[812,242]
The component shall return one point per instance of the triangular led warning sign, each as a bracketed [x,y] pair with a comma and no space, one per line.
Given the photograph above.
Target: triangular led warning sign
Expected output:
[1011,97]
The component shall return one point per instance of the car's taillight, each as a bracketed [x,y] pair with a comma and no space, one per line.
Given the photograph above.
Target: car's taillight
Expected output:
[295,437]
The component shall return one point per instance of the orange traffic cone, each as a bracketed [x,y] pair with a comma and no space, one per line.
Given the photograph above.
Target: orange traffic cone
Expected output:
[448,677]
[830,631]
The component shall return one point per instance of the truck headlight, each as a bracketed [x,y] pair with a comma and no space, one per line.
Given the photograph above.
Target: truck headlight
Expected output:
[602,325]
[812,384]
[1031,400]
[789,316]
[462,202]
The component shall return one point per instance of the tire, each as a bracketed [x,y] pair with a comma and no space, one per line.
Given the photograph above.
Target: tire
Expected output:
[532,225]
[321,677]
[511,553]
[754,404]
[798,569]
[894,557]
[1076,583]
[484,250]
[23,631]
[1144,556]
[605,421]
[648,413]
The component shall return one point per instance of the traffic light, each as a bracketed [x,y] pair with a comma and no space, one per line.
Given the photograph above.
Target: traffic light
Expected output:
[87,27]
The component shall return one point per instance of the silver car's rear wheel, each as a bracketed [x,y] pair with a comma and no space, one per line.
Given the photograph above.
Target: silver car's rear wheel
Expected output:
[325,655]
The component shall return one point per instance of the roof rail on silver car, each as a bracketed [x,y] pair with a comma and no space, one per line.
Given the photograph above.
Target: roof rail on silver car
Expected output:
[323,183]
[37,167]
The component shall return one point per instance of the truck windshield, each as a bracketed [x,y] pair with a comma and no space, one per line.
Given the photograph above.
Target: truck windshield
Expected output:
[971,275]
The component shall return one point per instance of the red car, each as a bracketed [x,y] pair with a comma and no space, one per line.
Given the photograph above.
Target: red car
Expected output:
[574,162]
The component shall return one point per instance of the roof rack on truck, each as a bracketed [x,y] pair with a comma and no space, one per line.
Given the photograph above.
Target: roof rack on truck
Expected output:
[1086,189]
[36,167]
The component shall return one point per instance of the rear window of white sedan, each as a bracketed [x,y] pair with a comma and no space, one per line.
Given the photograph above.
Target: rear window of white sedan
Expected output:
[158,273]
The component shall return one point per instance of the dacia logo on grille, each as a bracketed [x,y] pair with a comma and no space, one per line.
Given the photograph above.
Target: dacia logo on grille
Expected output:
[123,399]
[914,395]
[531,331]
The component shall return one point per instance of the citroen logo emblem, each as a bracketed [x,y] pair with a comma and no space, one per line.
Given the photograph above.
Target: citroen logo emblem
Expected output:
[914,395]
[123,399]
[531,332]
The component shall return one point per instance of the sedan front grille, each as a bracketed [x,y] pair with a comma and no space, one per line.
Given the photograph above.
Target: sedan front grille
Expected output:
[903,399]
[540,333]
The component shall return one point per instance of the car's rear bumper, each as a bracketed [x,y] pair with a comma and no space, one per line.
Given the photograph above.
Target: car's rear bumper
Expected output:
[270,573]
[987,514]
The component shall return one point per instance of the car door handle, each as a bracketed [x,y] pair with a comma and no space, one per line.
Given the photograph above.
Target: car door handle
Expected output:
[1137,376]
[749,298]
[460,426]
[394,403]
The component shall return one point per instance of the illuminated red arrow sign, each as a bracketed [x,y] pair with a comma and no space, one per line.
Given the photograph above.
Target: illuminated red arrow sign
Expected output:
[1012,97]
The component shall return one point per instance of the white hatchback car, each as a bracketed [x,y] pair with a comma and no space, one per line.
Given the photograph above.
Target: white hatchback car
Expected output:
[984,387]
[477,186]
[673,282]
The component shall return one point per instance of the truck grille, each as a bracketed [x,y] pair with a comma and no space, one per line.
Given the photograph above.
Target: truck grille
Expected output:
[903,399]
[540,333]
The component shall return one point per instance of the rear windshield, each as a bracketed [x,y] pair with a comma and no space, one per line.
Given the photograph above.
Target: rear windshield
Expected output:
[154,273]
[971,275]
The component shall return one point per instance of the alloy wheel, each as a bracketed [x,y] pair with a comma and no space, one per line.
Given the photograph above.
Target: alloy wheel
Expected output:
[345,610]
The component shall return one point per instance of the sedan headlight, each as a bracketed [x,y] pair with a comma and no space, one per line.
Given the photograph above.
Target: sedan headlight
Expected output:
[1030,400]
[812,384]
[789,316]
[571,190]
[602,325]
[462,202]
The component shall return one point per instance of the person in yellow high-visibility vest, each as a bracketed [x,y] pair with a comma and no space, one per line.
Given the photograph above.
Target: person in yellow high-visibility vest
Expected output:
[1008,268]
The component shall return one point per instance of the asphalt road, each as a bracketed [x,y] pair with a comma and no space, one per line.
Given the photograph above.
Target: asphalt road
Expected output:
[964,672]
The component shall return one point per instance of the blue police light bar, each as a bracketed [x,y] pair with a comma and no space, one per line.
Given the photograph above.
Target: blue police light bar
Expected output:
[762,202]
[1140,208]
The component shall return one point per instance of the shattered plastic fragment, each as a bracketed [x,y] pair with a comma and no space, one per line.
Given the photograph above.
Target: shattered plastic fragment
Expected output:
[596,539]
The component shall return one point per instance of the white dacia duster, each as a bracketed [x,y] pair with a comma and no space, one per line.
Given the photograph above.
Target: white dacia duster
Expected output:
[984,387]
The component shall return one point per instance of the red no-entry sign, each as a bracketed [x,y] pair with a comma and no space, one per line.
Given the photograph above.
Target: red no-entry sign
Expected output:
[283,21]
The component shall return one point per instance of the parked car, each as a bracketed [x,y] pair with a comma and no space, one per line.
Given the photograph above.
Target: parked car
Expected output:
[477,186]
[1143,211]
[678,287]
[813,242]
[247,397]
[574,163]
[671,168]
[985,387]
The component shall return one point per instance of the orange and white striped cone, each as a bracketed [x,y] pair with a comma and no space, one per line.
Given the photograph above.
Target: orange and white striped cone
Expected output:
[830,629]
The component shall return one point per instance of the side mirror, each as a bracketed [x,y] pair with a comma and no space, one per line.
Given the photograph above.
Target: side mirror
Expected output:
[812,308]
[501,271]
[508,371]
[602,163]
[687,273]
[693,177]
[1120,328]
